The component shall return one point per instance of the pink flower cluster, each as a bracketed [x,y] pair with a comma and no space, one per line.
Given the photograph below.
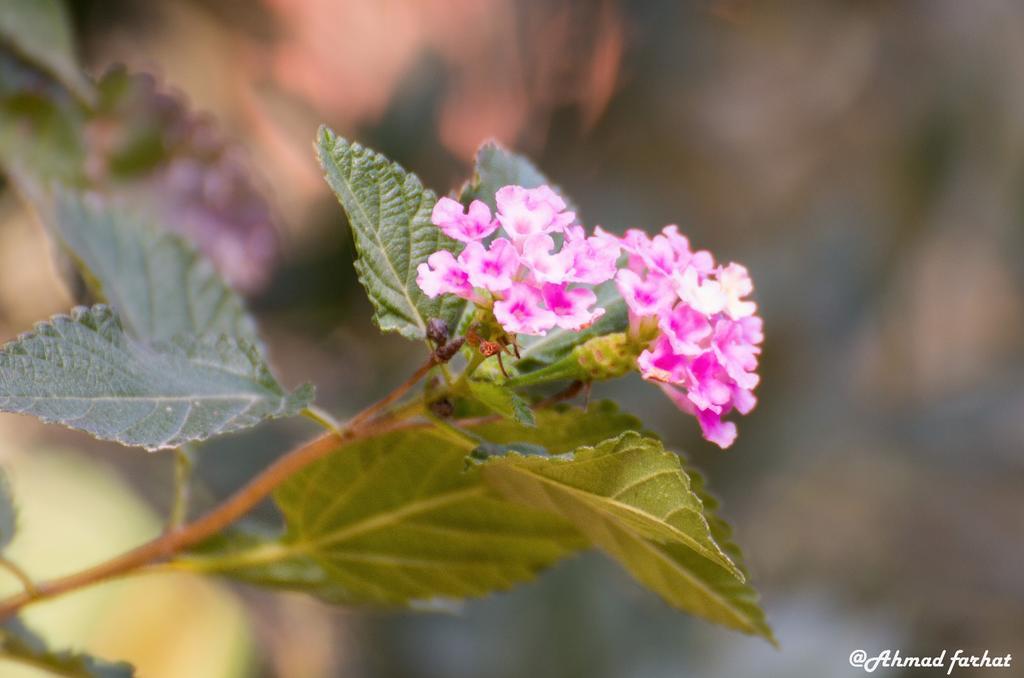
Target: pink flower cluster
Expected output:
[538,272]
[704,355]
[533,282]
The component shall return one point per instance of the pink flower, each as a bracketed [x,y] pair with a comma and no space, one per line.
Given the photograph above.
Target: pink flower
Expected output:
[645,296]
[465,226]
[686,329]
[660,363]
[705,354]
[593,259]
[442,274]
[571,307]
[708,385]
[713,428]
[543,264]
[520,311]
[492,268]
[527,211]
[736,353]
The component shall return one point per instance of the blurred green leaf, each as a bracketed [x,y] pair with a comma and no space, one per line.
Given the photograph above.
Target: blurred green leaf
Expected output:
[19,643]
[399,520]
[496,166]
[84,372]
[40,124]
[632,498]
[389,212]
[502,400]
[40,32]
[156,281]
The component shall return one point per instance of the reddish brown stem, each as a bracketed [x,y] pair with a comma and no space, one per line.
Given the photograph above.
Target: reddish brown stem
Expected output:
[365,424]
[213,522]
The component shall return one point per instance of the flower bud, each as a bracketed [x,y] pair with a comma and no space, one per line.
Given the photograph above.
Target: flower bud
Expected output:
[437,331]
[607,357]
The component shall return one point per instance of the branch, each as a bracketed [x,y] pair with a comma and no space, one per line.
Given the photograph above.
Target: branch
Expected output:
[397,393]
[213,522]
[15,570]
[372,421]
[365,424]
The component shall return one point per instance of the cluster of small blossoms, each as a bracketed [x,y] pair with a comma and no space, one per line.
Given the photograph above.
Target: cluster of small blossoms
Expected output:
[707,336]
[532,282]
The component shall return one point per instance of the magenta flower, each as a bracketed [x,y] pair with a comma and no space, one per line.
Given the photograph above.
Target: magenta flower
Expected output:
[592,260]
[534,283]
[736,352]
[571,306]
[521,311]
[467,226]
[686,329]
[442,274]
[523,212]
[704,355]
[645,296]
[660,363]
[706,334]
[545,265]
[491,268]
[712,426]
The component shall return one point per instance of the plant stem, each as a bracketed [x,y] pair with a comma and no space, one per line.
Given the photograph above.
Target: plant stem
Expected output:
[364,425]
[213,522]
[26,582]
[322,417]
[390,398]
[184,459]
[372,421]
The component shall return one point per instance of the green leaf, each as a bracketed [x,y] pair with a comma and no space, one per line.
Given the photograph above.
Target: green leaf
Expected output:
[389,212]
[40,32]
[502,400]
[84,372]
[537,352]
[496,166]
[8,512]
[562,428]
[156,281]
[632,498]
[21,644]
[398,520]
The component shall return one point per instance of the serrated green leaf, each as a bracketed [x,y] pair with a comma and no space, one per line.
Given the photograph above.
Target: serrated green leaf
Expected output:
[156,281]
[496,166]
[19,643]
[40,32]
[85,372]
[632,498]
[389,212]
[8,512]
[536,352]
[562,428]
[397,520]
[503,401]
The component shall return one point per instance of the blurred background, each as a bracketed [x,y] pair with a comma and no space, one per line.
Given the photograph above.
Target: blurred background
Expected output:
[864,159]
